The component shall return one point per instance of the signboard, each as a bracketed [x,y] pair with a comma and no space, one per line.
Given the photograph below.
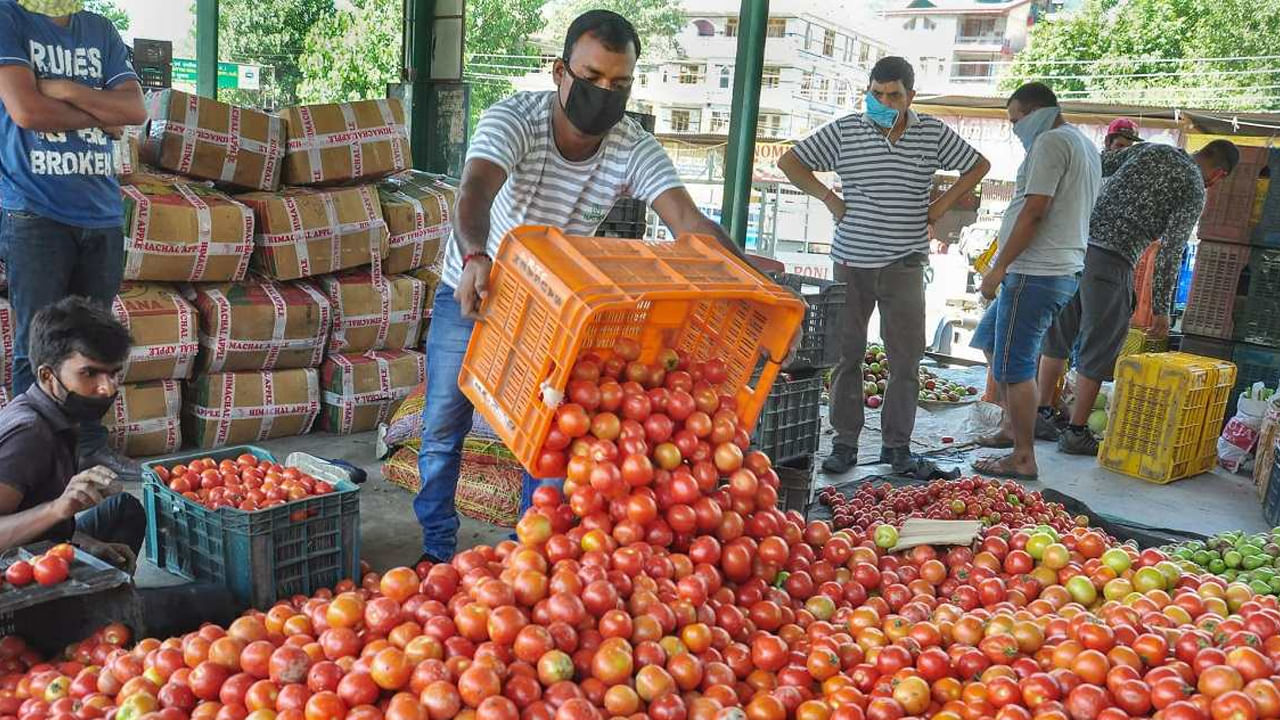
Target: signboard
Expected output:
[231,76]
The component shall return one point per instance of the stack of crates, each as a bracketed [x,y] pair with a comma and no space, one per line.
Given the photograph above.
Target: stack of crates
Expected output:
[790,426]
[1233,307]
[1166,412]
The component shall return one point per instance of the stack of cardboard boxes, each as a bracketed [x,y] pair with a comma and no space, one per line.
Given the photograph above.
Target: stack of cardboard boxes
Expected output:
[279,269]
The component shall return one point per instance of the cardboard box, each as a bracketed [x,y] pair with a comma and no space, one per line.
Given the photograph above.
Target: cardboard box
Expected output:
[431,278]
[164,329]
[261,324]
[203,138]
[8,327]
[236,408]
[417,207]
[361,391]
[176,232]
[374,312]
[302,232]
[345,142]
[144,421]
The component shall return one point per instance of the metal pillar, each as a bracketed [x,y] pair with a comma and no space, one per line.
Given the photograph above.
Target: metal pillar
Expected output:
[753,23]
[207,48]
[419,17]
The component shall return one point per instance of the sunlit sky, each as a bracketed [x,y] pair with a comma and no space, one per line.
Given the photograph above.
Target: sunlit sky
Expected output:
[158,20]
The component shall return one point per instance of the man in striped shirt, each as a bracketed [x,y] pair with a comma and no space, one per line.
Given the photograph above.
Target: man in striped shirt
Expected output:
[559,158]
[885,158]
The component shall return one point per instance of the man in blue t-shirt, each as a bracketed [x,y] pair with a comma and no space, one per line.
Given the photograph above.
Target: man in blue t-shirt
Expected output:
[66,87]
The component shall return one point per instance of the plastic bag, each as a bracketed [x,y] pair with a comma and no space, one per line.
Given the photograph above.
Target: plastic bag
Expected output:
[984,420]
[1240,435]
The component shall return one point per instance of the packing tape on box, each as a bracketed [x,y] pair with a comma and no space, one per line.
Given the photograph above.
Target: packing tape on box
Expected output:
[384,397]
[118,435]
[223,344]
[7,332]
[299,237]
[418,237]
[183,352]
[383,319]
[191,132]
[353,138]
[139,244]
[224,415]
[169,424]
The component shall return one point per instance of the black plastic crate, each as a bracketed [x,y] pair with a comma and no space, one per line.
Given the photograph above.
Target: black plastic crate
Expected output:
[1207,347]
[1258,321]
[292,549]
[794,487]
[1268,230]
[1271,502]
[824,301]
[790,422]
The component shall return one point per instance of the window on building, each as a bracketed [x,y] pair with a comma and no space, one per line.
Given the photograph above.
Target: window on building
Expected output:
[849,48]
[806,86]
[726,77]
[704,28]
[770,76]
[864,53]
[842,93]
[643,80]
[809,33]
[769,125]
[731,27]
[909,25]
[829,43]
[777,28]
[824,89]
[692,74]
[978,27]
[929,24]
[719,121]
[683,121]
[973,69]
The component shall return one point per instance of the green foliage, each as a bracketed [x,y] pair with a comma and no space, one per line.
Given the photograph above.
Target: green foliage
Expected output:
[1120,37]
[269,33]
[498,46]
[656,21]
[110,11]
[354,53]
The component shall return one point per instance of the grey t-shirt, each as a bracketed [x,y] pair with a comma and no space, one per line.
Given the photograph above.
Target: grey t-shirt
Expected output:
[1064,165]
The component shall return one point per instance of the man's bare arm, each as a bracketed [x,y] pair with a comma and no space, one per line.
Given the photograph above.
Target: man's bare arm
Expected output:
[120,105]
[33,110]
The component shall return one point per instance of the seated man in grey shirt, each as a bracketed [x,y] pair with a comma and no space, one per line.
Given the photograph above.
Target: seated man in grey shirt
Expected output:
[78,349]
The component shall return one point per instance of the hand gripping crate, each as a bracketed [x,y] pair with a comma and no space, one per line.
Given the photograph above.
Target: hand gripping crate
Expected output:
[552,297]
[1211,303]
[1229,204]
[292,549]
[1165,416]
[1259,316]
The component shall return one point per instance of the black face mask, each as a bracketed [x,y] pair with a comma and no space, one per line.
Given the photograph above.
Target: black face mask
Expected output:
[592,109]
[83,408]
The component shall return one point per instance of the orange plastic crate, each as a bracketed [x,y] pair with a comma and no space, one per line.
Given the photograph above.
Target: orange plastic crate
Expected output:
[553,297]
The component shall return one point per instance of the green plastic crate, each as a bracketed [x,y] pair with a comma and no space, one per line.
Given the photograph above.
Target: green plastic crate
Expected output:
[263,556]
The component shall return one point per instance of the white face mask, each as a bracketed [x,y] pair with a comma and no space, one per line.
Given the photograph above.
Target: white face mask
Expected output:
[1034,123]
[53,8]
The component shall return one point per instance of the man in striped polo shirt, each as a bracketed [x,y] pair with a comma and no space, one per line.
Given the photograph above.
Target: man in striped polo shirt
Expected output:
[560,158]
[885,158]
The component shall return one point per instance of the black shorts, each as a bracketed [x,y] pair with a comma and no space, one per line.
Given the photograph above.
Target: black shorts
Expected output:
[1098,316]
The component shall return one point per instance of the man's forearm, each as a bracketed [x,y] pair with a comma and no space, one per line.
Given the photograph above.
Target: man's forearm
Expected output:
[803,178]
[121,106]
[45,114]
[471,224]
[962,186]
[23,527]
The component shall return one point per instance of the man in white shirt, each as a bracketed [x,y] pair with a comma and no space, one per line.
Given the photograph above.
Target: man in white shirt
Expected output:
[559,158]
[1035,274]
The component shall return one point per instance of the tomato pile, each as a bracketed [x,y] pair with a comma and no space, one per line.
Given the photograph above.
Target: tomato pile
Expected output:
[665,584]
[971,498]
[51,568]
[245,483]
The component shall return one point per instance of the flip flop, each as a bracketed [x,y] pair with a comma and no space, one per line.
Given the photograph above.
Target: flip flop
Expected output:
[995,467]
[994,442]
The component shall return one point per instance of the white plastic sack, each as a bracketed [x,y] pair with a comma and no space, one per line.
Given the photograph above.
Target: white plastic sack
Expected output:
[1240,436]
[984,420]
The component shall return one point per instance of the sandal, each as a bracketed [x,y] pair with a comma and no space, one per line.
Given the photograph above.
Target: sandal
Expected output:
[998,467]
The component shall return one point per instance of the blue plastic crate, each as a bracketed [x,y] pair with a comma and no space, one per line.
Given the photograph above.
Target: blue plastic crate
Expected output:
[295,548]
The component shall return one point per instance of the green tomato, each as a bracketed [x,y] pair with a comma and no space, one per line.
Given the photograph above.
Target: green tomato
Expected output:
[1116,559]
[886,536]
[1233,558]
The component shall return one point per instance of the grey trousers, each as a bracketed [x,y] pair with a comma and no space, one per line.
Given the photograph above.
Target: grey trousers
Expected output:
[899,291]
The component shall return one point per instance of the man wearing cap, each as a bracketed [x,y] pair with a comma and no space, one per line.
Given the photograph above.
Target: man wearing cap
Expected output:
[1121,133]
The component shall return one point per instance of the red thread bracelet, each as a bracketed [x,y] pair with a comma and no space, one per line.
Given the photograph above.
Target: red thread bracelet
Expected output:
[468,258]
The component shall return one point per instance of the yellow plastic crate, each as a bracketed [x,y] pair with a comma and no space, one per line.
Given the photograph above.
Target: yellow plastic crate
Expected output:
[1138,342]
[1166,412]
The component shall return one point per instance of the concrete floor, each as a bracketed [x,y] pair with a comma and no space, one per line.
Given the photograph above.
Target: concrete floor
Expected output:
[1213,502]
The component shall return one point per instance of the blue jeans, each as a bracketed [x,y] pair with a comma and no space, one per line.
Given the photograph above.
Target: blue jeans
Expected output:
[446,420]
[46,261]
[1014,326]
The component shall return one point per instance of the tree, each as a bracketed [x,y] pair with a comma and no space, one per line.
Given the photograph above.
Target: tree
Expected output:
[657,21]
[1188,53]
[271,33]
[117,15]
[499,46]
[353,54]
